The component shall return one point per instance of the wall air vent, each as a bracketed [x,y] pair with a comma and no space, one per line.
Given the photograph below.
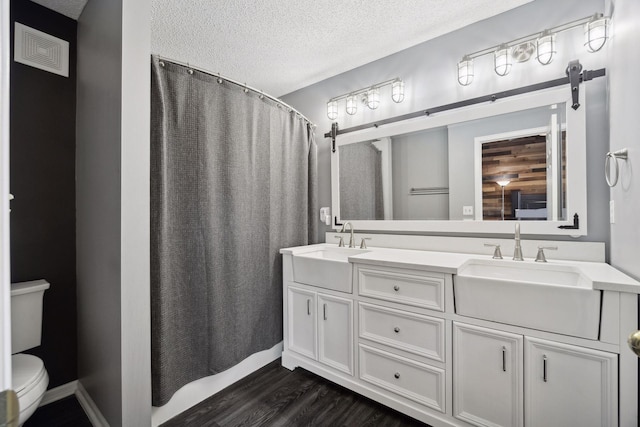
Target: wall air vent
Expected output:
[40,50]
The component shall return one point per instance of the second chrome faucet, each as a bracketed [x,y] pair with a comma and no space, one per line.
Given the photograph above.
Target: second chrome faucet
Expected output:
[517,250]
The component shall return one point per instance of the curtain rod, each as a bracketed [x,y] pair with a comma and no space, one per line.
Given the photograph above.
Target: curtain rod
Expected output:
[584,76]
[237,83]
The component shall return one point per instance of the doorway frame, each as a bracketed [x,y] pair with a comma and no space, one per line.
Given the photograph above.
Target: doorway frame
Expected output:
[5,265]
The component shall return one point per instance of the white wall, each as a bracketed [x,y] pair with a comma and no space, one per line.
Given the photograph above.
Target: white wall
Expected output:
[429,72]
[5,278]
[112,188]
[135,213]
[624,89]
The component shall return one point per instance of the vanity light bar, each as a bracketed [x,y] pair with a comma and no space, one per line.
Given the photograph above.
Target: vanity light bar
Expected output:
[596,33]
[369,95]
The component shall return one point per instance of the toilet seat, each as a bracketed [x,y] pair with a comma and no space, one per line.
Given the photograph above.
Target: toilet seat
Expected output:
[30,380]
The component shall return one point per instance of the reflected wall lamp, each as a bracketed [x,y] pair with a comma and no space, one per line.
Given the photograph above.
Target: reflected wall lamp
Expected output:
[503,183]
[369,96]
[543,45]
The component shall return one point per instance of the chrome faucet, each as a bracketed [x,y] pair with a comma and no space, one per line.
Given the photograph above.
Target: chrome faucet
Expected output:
[352,243]
[517,251]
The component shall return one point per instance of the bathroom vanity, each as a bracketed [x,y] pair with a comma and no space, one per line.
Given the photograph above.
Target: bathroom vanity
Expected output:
[460,339]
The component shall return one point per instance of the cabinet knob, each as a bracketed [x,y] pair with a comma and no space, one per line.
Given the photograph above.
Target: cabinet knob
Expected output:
[397,375]
[396,329]
[396,288]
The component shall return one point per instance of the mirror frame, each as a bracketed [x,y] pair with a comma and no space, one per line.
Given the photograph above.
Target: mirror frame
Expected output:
[576,166]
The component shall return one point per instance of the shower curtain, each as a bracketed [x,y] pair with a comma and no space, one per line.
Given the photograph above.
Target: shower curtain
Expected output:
[233,180]
[361,195]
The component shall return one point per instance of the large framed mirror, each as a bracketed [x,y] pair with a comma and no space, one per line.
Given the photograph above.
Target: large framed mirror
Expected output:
[475,169]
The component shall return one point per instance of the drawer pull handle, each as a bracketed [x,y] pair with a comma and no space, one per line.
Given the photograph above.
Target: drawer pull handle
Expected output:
[544,368]
[396,288]
[396,329]
[397,375]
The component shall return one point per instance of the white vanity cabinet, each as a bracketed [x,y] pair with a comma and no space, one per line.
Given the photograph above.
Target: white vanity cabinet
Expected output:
[569,385]
[401,330]
[563,385]
[320,327]
[401,347]
[302,321]
[487,376]
[335,332]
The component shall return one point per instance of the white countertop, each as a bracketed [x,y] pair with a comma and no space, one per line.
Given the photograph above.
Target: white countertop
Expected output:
[603,276]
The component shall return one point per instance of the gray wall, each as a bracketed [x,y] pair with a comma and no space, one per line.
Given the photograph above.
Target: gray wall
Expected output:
[419,161]
[625,133]
[429,72]
[112,208]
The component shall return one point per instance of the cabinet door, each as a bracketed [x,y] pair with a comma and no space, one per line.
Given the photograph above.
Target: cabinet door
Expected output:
[569,386]
[487,376]
[302,322]
[335,332]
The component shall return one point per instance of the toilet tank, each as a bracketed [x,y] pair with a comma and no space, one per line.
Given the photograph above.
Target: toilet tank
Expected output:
[26,314]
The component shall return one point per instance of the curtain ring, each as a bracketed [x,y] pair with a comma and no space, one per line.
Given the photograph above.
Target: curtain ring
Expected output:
[614,156]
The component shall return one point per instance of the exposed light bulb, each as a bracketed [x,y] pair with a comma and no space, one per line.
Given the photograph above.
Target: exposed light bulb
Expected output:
[465,71]
[596,32]
[373,98]
[352,105]
[332,110]
[397,91]
[503,183]
[546,46]
[502,60]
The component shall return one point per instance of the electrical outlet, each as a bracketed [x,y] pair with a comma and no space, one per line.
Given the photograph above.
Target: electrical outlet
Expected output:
[467,210]
[612,212]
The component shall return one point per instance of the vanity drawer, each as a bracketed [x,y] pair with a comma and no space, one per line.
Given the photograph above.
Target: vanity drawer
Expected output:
[414,288]
[415,333]
[412,380]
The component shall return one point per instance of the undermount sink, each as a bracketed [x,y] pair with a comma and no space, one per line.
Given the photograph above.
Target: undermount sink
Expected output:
[327,268]
[550,297]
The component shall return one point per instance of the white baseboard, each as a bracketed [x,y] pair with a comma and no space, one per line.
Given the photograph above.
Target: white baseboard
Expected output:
[60,392]
[90,408]
[197,391]
[76,388]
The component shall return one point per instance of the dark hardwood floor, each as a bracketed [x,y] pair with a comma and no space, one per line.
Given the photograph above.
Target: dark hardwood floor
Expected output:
[65,412]
[275,396]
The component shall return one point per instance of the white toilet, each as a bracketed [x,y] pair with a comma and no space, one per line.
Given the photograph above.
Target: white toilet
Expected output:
[30,378]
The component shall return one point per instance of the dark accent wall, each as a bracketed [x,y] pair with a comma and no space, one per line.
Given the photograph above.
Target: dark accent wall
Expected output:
[43,126]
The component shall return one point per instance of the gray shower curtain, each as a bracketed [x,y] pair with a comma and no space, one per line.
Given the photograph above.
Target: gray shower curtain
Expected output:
[361,195]
[233,180]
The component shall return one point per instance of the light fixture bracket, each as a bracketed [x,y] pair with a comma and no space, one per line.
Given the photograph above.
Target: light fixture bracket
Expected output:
[573,71]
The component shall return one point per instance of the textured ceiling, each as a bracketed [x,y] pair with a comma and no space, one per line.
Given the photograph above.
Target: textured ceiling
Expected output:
[70,8]
[279,46]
